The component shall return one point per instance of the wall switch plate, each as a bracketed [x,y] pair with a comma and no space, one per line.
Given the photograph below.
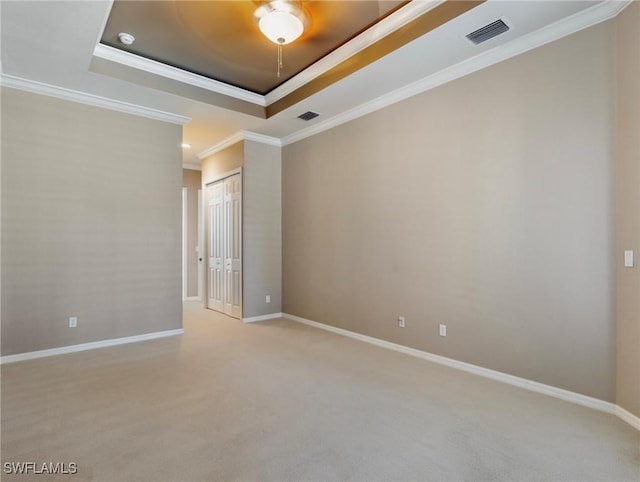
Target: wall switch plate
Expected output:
[267,298]
[73,321]
[628,259]
[401,322]
[442,330]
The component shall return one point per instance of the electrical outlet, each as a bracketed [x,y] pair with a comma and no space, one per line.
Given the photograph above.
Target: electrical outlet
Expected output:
[443,330]
[267,298]
[628,259]
[401,323]
[73,321]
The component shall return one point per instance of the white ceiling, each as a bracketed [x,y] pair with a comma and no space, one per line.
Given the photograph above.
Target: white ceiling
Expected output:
[53,43]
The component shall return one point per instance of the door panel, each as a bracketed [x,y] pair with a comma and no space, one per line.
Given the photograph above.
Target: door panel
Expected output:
[225,245]
[233,251]
[215,197]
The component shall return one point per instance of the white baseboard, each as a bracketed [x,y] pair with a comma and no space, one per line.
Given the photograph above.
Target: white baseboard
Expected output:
[192,298]
[253,319]
[88,346]
[538,387]
[628,417]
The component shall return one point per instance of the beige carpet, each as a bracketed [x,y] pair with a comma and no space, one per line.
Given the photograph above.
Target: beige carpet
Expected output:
[282,401]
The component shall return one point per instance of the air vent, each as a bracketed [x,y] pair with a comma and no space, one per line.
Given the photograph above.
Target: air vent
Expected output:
[307,116]
[488,32]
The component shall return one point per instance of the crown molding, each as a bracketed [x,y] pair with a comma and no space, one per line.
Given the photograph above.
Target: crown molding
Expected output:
[555,31]
[192,166]
[370,36]
[229,141]
[89,99]
[105,19]
[261,138]
[157,68]
[383,28]
[237,137]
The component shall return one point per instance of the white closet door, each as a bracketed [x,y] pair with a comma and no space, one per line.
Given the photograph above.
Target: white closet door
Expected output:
[224,243]
[233,246]
[216,238]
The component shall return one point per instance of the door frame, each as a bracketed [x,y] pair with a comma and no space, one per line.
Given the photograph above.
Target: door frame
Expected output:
[200,248]
[185,247]
[205,234]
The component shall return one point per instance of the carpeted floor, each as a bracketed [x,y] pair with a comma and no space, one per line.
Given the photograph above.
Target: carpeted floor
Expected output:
[282,401]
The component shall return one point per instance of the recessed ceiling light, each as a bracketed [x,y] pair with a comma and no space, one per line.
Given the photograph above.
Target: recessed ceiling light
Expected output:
[185,145]
[126,38]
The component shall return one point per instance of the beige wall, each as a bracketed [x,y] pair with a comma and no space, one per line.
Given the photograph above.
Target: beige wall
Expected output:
[485,204]
[628,207]
[222,162]
[91,223]
[261,220]
[192,180]
[262,214]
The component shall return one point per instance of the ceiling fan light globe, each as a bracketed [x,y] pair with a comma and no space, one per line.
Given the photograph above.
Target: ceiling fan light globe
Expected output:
[281,27]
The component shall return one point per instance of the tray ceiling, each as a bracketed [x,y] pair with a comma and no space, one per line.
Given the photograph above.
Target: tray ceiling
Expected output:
[53,48]
[221,40]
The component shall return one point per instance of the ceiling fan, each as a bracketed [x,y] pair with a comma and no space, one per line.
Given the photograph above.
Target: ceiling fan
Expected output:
[282,22]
